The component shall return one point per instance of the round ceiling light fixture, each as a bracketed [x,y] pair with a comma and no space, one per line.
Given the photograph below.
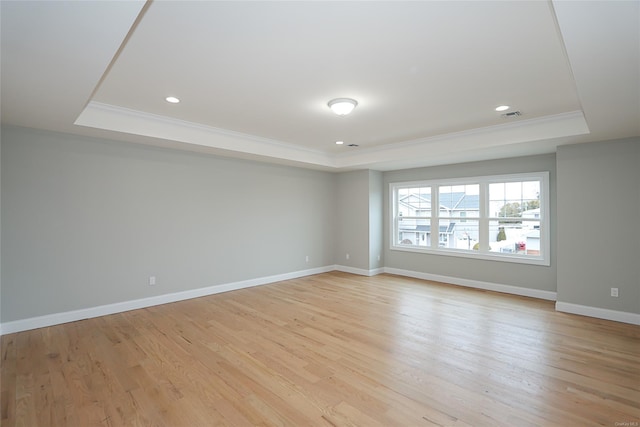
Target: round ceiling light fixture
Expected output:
[502,108]
[172,99]
[342,106]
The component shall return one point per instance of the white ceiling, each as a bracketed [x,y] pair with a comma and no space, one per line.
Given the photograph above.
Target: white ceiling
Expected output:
[254,78]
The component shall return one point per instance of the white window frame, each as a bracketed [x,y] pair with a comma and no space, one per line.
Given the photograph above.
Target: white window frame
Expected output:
[484,219]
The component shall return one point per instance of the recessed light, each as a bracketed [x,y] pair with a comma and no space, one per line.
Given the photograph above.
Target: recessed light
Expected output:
[339,142]
[502,108]
[172,99]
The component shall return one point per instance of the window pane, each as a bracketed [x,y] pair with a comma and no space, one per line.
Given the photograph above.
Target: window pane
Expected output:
[457,201]
[414,232]
[458,235]
[415,201]
[514,200]
[515,238]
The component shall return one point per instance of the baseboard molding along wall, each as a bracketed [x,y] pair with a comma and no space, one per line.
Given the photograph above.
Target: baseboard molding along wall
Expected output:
[487,286]
[104,310]
[583,310]
[359,271]
[600,313]
[119,307]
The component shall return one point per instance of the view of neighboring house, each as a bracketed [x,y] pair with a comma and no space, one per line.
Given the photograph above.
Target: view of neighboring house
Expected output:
[532,214]
[533,236]
[458,225]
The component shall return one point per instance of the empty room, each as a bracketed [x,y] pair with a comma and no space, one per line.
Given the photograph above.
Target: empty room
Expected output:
[320,213]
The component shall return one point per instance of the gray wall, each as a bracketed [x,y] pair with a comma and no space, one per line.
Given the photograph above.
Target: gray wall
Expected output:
[376,224]
[521,275]
[599,224]
[85,222]
[352,219]
[0,231]
[359,230]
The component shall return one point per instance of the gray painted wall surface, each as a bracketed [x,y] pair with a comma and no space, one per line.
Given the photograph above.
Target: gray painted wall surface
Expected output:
[599,224]
[352,225]
[359,229]
[85,222]
[521,275]
[0,228]
[376,226]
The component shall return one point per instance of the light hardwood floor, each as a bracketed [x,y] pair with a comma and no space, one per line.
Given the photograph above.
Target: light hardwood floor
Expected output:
[330,350]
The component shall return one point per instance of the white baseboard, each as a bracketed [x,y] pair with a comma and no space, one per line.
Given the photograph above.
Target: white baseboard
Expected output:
[359,271]
[488,286]
[103,310]
[600,313]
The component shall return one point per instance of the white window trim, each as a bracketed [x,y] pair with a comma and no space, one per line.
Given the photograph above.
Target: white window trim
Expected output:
[483,253]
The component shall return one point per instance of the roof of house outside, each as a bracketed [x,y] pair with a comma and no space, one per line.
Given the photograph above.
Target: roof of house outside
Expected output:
[427,228]
[460,201]
[449,201]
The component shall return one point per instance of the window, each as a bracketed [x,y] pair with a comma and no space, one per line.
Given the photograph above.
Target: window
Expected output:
[494,217]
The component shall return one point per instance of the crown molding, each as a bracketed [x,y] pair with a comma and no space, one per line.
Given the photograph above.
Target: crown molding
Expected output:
[119,119]
[520,131]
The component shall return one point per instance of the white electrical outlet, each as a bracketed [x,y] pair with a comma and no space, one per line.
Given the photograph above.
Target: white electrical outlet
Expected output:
[378,257]
[306,258]
[614,292]
[152,280]
[347,256]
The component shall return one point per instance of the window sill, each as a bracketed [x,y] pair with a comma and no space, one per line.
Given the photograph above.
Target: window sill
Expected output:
[486,256]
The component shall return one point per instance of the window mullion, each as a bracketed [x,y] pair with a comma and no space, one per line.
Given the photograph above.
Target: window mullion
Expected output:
[435,217]
[483,223]
[395,209]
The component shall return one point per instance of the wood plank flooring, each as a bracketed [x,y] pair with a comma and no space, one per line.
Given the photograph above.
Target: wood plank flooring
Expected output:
[328,350]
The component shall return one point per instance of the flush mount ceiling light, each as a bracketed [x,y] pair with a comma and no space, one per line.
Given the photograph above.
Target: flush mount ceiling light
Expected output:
[502,108]
[172,99]
[342,106]
[339,142]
